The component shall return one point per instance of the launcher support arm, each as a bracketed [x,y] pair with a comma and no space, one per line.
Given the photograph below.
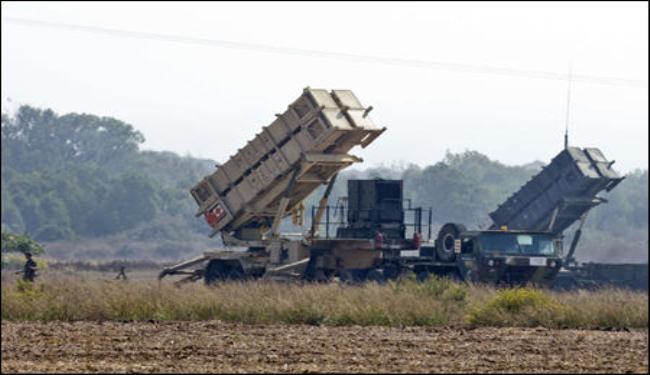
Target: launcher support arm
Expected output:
[321,206]
[284,202]
[574,242]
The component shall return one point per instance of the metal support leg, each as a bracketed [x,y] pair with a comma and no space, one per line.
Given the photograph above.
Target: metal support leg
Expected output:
[553,217]
[574,241]
[284,202]
[321,207]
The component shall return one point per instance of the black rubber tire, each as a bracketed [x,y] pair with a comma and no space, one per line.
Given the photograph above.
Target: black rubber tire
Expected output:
[215,271]
[422,276]
[470,277]
[391,273]
[236,273]
[404,275]
[311,275]
[456,277]
[345,277]
[376,275]
[220,270]
[445,241]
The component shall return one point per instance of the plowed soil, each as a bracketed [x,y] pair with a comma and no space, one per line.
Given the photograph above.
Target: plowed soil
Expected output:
[222,347]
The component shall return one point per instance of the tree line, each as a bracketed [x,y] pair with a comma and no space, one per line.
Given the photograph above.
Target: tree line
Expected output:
[74,176]
[80,175]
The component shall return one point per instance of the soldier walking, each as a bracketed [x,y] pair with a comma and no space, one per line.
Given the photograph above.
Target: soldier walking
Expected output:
[29,269]
[122,274]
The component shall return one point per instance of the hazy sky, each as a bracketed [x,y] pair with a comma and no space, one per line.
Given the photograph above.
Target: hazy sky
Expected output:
[207,100]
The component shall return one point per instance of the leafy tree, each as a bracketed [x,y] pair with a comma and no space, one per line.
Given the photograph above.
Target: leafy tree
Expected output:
[20,243]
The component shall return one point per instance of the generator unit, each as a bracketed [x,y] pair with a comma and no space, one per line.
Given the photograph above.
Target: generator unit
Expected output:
[374,206]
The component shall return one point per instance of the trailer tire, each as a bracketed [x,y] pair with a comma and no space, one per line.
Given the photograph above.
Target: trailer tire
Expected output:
[376,275]
[236,273]
[216,270]
[345,277]
[220,270]
[391,272]
[445,241]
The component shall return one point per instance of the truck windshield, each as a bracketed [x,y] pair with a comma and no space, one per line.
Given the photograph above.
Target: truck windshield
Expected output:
[514,243]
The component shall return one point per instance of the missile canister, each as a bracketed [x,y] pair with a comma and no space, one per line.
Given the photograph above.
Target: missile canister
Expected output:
[560,194]
[311,139]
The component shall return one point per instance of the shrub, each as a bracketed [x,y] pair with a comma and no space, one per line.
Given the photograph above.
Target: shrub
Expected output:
[518,307]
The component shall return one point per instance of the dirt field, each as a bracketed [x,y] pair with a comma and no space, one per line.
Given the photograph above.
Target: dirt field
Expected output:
[221,347]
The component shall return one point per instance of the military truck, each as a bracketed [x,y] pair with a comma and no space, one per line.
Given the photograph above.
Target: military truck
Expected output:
[532,222]
[247,197]
[304,148]
[559,196]
[524,243]
[374,210]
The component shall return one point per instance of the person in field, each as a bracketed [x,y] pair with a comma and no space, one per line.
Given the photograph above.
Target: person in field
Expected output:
[29,269]
[122,274]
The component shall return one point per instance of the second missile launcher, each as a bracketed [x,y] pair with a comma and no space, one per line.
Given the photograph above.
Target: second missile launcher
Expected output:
[560,194]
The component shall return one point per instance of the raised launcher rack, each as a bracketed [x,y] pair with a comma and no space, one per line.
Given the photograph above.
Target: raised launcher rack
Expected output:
[560,194]
[303,148]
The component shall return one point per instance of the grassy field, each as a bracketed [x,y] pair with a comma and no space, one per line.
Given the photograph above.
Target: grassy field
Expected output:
[437,302]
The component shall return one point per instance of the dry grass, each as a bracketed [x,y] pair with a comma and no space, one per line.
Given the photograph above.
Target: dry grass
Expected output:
[437,302]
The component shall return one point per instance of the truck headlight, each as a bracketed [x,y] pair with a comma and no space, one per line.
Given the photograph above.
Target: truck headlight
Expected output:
[490,263]
[552,264]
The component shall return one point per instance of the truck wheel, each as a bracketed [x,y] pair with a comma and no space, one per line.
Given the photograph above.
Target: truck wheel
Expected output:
[345,277]
[445,241]
[422,276]
[376,275]
[220,270]
[216,270]
[391,273]
[407,275]
[313,273]
[470,277]
[236,273]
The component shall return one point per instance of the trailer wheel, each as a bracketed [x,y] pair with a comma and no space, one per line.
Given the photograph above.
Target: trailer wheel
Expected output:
[391,272]
[448,234]
[376,275]
[216,270]
[220,270]
[236,273]
[345,277]
[313,273]
[470,277]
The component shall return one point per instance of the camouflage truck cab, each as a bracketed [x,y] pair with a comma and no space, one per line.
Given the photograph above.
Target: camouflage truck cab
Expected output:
[511,257]
[492,256]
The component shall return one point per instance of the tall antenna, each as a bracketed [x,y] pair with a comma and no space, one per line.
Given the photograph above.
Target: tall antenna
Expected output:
[568,108]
